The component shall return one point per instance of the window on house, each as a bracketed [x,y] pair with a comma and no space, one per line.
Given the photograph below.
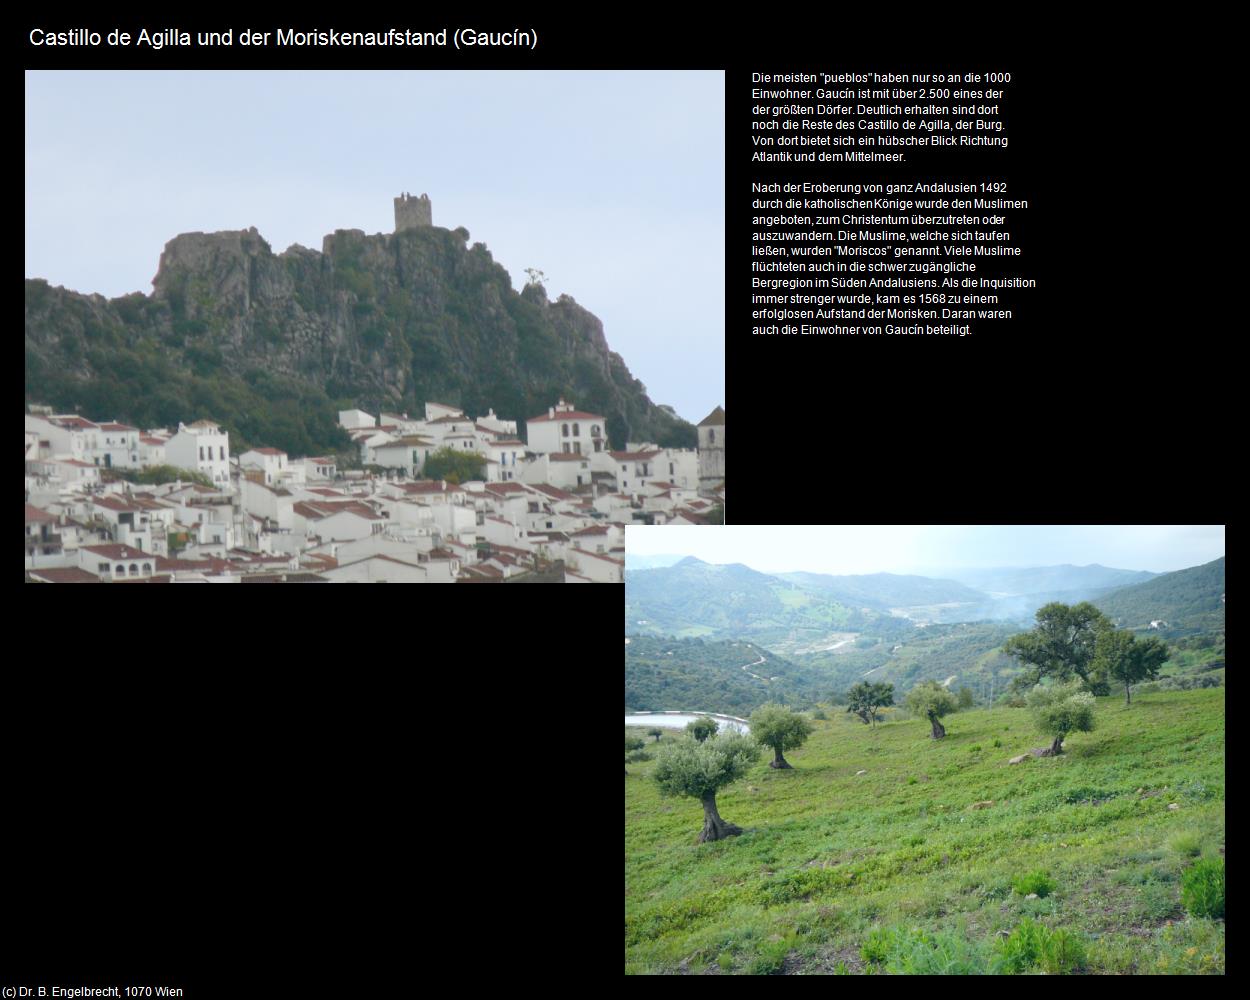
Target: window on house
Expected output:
[594,430]
[711,436]
[577,447]
[120,570]
[577,431]
[670,468]
[566,430]
[147,567]
[102,568]
[134,570]
[222,451]
[565,447]
[201,453]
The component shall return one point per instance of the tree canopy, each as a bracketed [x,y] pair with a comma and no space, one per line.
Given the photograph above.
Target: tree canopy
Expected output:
[1061,645]
[1061,709]
[1123,657]
[932,701]
[699,770]
[454,466]
[865,699]
[778,727]
[701,728]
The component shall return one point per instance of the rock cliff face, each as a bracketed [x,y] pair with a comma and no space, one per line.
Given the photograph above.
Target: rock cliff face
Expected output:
[380,322]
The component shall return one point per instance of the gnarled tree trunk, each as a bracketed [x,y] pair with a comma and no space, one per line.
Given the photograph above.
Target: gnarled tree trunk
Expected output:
[1128,697]
[939,730]
[863,716]
[778,760]
[1057,746]
[715,828]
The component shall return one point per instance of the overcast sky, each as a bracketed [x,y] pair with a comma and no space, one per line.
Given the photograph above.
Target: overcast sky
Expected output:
[612,183]
[849,549]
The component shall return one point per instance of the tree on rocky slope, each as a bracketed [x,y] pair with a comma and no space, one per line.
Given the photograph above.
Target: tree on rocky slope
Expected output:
[699,770]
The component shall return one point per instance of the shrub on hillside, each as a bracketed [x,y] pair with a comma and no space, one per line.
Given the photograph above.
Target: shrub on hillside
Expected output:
[1202,888]
[1032,945]
[1038,882]
[1187,843]
[911,951]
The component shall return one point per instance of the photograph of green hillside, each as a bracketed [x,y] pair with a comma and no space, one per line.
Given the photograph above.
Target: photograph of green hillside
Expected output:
[919,750]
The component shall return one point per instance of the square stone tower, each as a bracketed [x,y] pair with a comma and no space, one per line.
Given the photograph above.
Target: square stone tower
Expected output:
[412,212]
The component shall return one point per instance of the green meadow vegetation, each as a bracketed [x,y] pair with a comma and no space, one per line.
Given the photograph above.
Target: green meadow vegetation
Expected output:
[886,851]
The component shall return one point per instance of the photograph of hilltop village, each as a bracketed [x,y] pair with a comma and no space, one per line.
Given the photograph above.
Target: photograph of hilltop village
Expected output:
[394,407]
[442,497]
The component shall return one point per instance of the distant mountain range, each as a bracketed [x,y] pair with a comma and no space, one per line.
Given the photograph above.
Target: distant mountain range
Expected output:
[650,562]
[901,629]
[1189,600]
[693,599]
[883,591]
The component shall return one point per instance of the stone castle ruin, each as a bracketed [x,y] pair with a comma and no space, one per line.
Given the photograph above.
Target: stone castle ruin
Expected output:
[412,213]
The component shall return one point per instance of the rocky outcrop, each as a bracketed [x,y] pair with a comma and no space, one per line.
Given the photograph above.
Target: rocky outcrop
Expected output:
[384,321]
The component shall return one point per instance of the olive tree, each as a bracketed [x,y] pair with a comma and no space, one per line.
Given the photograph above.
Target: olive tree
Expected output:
[1061,709]
[865,699]
[699,770]
[776,726]
[701,728]
[1125,658]
[932,701]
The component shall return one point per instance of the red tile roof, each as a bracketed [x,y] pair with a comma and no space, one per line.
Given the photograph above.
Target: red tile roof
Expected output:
[567,456]
[594,529]
[151,440]
[553,491]
[269,451]
[64,574]
[513,488]
[117,427]
[115,503]
[633,456]
[34,514]
[73,423]
[317,509]
[117,552]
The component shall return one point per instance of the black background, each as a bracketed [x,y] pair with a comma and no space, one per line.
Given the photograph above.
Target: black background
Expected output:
[265,819]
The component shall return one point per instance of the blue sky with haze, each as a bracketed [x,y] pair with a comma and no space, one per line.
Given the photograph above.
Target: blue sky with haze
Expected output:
[612,183]
[921,549]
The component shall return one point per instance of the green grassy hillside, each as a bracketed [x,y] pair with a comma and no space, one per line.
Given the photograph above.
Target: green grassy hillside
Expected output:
[829,855]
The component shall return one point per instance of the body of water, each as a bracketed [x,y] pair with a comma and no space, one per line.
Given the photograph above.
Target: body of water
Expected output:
[679,720]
